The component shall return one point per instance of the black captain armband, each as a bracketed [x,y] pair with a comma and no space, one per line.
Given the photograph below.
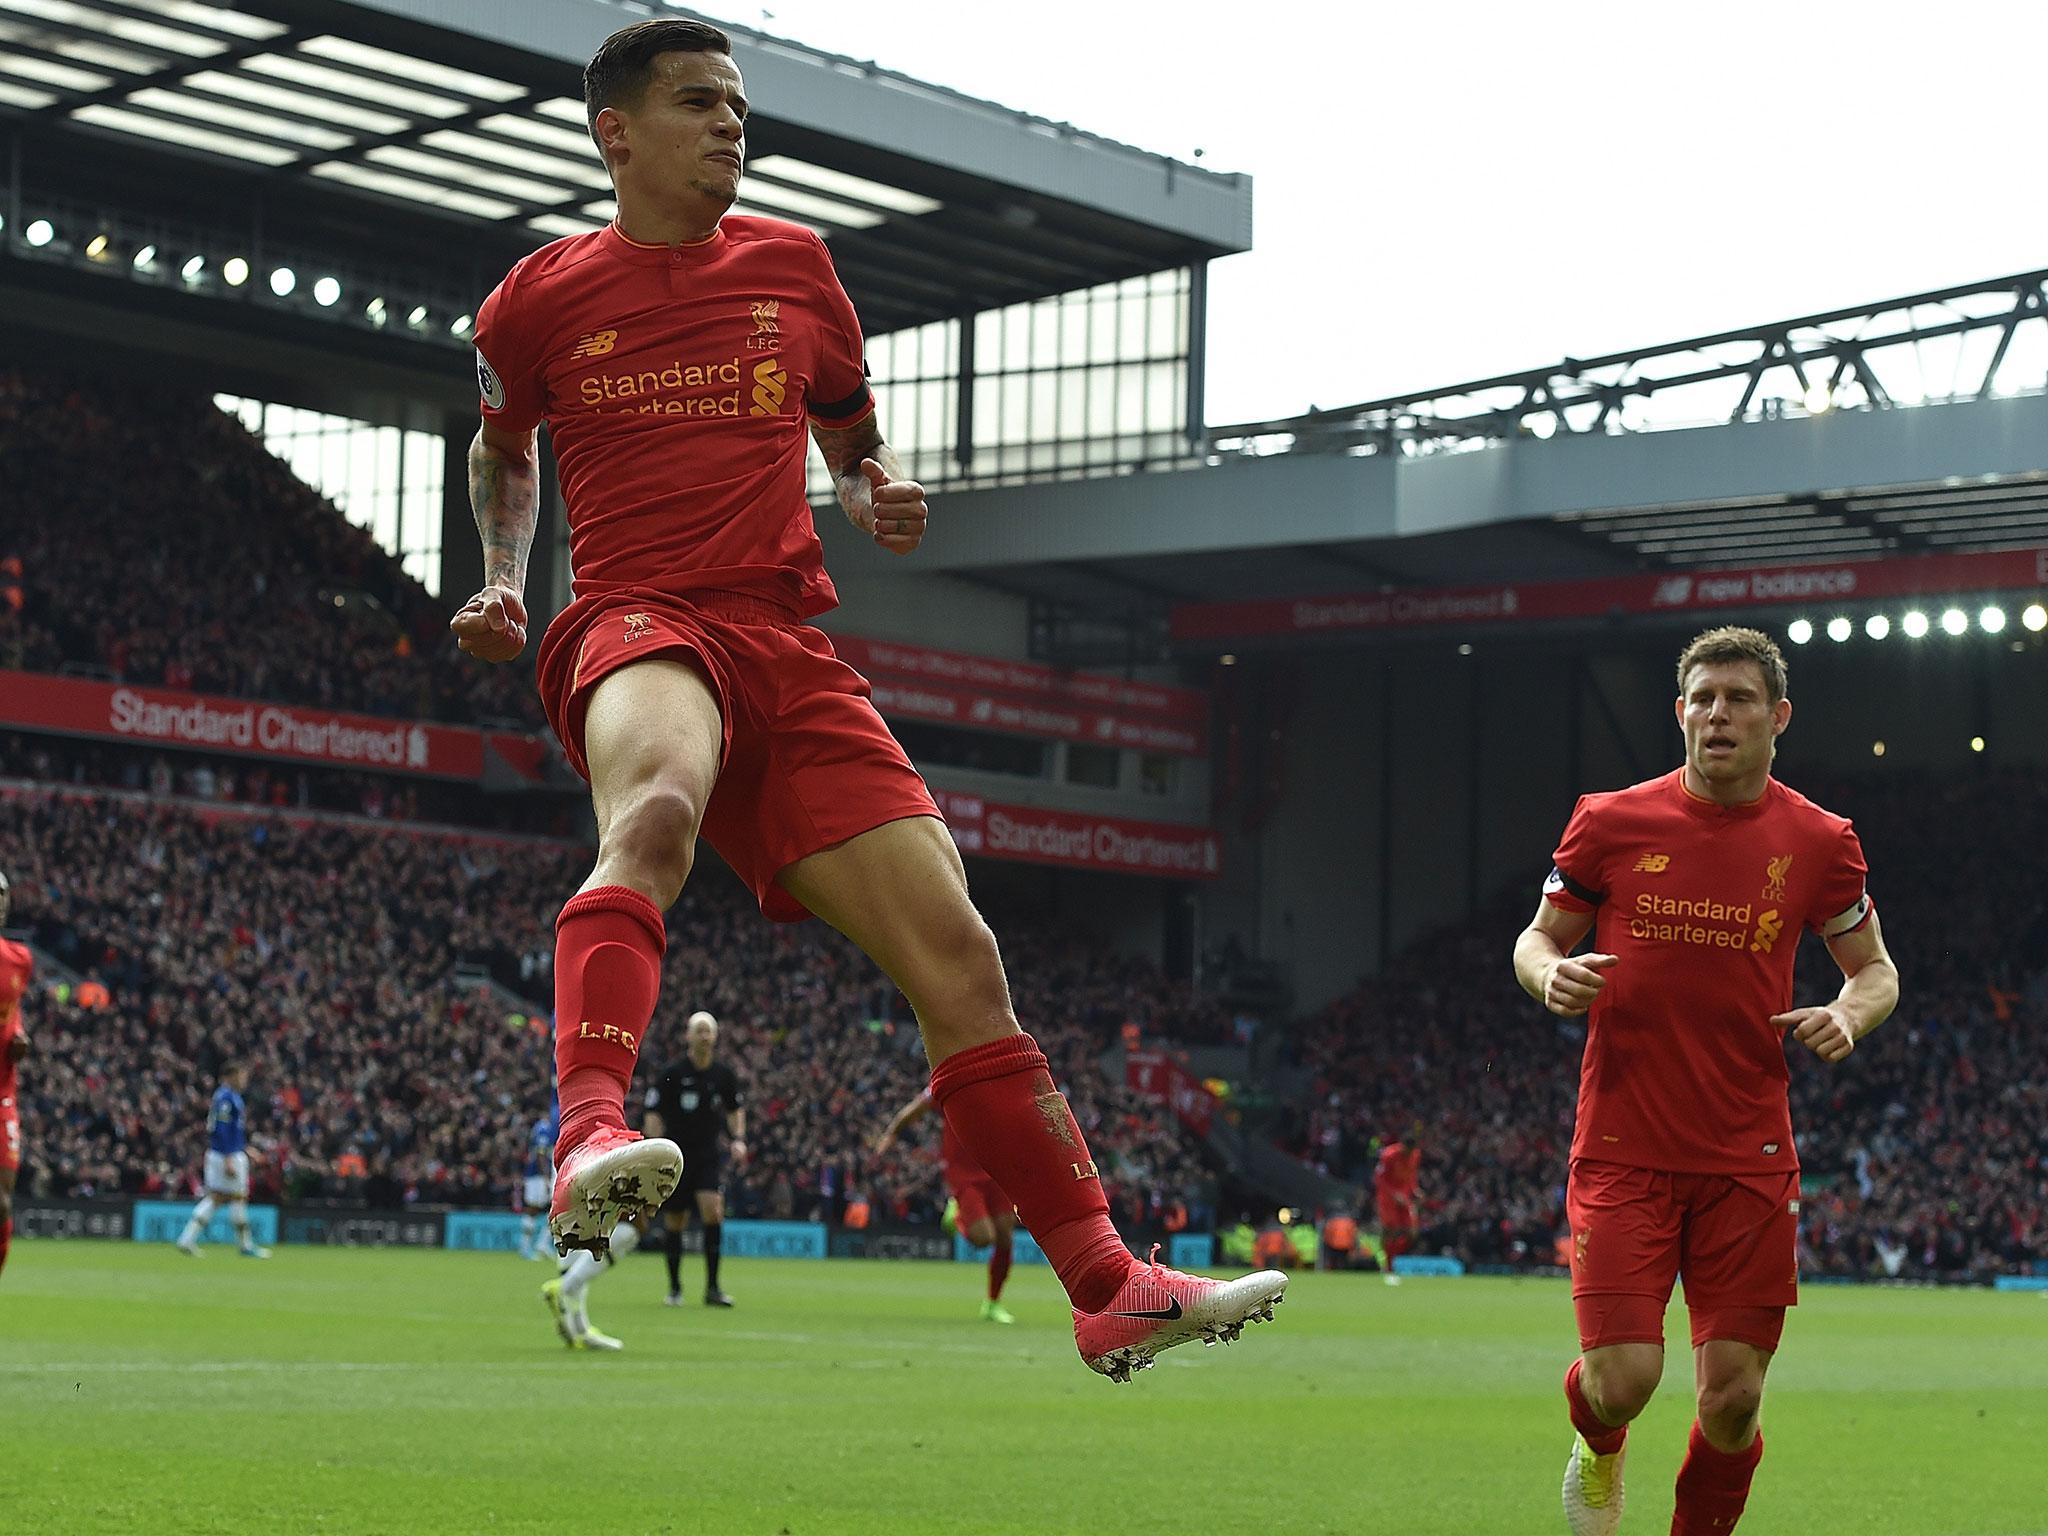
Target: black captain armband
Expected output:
[1560,881]
[851,405]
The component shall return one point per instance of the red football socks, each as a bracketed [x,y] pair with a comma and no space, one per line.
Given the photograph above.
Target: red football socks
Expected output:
[1604,1438]
[608,948]
[1713,1485]
[1000,1101]
[998,1267]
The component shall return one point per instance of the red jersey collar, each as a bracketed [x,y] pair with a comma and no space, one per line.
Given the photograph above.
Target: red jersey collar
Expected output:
[618,243]
[1713,810]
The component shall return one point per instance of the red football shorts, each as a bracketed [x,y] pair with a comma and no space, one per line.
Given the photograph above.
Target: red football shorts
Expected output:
[805,762]
[1397,1215]
[10,1138]
[978,1197]
[1735,1238]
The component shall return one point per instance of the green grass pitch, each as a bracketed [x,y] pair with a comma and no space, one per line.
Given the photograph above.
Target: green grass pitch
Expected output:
[357,1392]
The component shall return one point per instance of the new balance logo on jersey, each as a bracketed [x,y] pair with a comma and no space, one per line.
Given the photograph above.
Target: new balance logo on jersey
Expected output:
[771,384]
[594,344]
[1768,926]
[1653,863]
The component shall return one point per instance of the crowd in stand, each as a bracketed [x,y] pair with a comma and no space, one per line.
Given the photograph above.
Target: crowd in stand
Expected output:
[1925,1154]
[240,781]
[321,953]
[320,950]
[158,542]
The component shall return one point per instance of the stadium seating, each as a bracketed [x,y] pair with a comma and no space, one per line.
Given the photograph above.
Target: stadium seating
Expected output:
[1925,1154]
[160,543]
[322,949]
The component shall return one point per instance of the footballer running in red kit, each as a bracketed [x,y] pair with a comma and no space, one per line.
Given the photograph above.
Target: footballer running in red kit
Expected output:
[683,358]
[1396,1191]
[17,966]
[985,1215]
[1696,887]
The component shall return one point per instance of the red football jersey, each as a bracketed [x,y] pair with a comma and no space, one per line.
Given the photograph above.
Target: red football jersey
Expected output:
[17,965]
[1399,1172]
[1703,905]
[678,384]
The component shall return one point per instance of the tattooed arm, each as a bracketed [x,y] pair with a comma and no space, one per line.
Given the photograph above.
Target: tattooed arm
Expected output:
[877,499]
[504,493]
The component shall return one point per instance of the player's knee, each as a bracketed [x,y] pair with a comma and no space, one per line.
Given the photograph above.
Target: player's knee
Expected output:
[1620,1390]
[1727,1408]
[652,839]
[981,1233]
[963,968]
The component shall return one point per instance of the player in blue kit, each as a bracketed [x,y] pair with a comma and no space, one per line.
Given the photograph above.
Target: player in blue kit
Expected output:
[536,1186]
[226,1179]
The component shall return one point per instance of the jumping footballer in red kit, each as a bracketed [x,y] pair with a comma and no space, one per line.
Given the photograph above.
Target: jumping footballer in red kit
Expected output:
[17,965]
[682,360]
[1696,886]
[986,1216]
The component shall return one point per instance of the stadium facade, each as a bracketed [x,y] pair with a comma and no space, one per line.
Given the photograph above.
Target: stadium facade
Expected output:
[1317,732]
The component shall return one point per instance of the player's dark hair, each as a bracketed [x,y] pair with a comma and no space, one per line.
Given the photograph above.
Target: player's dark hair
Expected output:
[1731,642]
[619,73]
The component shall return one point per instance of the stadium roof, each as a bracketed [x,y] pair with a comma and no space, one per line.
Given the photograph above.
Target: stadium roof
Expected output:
[353,119]
[1911,426]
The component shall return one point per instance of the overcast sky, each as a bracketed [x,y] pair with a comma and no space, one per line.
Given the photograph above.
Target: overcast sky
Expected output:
[1445,191]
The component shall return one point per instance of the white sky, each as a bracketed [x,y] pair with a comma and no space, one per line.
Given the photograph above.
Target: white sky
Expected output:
[1449,190]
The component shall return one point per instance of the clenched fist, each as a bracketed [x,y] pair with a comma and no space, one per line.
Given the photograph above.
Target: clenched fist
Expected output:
[492,625]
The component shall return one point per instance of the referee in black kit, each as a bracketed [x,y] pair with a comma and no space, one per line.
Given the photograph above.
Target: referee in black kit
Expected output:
[690,1103]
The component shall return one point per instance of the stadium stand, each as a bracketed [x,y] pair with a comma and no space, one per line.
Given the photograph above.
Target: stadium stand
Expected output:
[159,542]
[1925,1155]
[280,786]
[322,948]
